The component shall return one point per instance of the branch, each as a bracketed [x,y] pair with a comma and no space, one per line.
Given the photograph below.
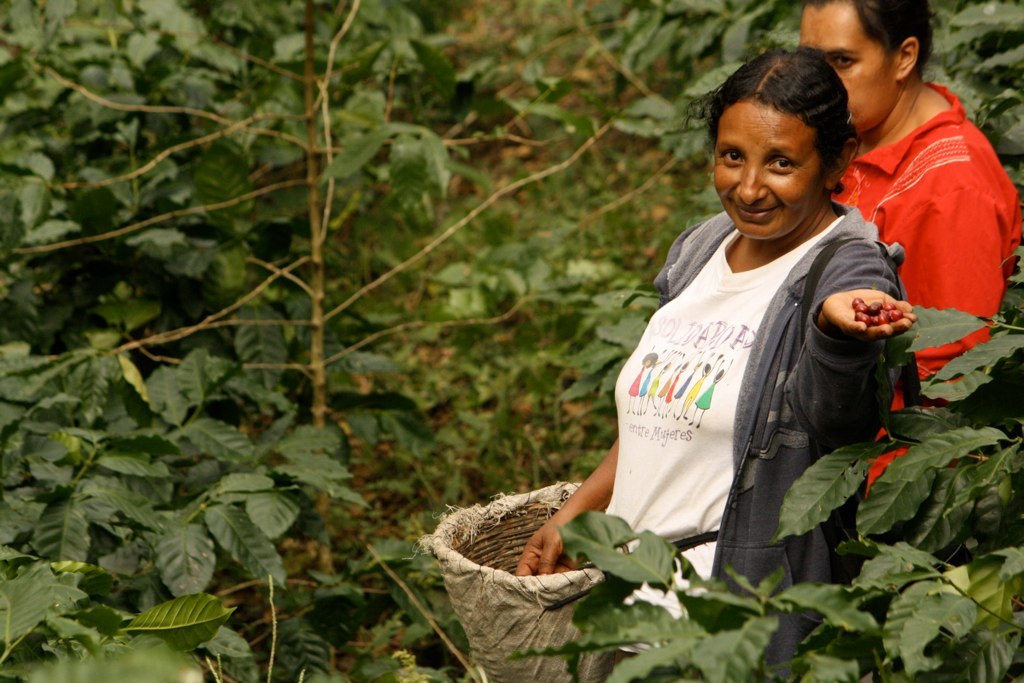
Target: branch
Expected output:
[414,324]
[610,58]
[156,109]
[210,320]
[188,144]
[177,213]
[631,195]
[242,54]
[274,269]
[189,111]
[470,669]
[458,225]
[322,98]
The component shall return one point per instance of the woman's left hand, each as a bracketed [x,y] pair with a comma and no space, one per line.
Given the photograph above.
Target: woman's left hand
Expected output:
[838,316]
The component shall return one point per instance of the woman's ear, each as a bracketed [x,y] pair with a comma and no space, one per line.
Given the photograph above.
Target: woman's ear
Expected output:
[906,58]
[842,161]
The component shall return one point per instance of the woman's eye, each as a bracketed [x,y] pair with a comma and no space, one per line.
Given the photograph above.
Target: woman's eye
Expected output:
[840,62]
[731,155]
[782,163]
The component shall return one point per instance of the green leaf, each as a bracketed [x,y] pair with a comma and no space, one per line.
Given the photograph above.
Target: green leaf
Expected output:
[224,279]
[439,71]
[166,398]
[137,508]
[896,565]
[639,668]
[62,532]
[981,580]
[132,375]
[185,558]
[939,450]
[219,439]
[24,601]
[824,486]
[822,668]
[136,465]
[222,175]
[939,521]
[892,501]
[273,512]
[104,619]
[322,473]
[357,153]
[982,355]
[95,580]
[730,656]
[919,423]
[936,327]
[244,482]
[837,604]
[309,440]
[916,618]
[236,533]
[184,622]
[959,389]
[597,536]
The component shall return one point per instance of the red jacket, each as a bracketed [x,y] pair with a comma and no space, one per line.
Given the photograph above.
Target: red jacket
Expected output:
[942,193]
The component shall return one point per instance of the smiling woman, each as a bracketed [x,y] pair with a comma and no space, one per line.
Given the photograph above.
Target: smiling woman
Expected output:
[749,409]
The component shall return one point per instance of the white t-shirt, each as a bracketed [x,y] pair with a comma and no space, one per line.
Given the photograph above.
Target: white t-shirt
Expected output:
[676,398]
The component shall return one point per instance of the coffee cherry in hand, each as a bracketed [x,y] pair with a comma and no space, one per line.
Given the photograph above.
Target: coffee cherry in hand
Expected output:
[876,313]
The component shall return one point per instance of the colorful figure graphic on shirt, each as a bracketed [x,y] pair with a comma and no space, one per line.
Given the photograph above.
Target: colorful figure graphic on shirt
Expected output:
[704,402]
[670,389]
[682,390]
[694,392]
[635,389]
[653,393]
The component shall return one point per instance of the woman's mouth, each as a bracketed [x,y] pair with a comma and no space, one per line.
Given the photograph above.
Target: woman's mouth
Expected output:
[755,214]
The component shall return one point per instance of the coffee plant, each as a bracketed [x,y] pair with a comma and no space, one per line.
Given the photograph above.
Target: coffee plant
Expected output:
[275,274]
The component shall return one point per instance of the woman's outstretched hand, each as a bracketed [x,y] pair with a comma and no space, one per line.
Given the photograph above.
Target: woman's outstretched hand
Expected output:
[839,315]
[544,554]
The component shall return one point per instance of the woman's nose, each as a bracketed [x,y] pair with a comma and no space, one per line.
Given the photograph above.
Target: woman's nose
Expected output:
[750,186]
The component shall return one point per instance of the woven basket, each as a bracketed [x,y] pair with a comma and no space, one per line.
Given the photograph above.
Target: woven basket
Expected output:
[478,549]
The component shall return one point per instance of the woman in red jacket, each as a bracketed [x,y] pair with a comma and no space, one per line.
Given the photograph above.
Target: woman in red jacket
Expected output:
[924,174]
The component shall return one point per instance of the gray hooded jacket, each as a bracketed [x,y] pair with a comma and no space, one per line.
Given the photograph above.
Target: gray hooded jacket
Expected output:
[797,387]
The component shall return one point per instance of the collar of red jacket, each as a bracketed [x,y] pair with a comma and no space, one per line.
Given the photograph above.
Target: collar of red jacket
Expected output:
[888,157]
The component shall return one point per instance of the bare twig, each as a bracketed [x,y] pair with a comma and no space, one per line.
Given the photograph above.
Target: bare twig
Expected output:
[177,213]
[469,217]
[288,276]
[242,54]
[459,655]
[273,630]
[609,57]
[188,144]
[631,195]
[206,323]
[416,324]
[156,109]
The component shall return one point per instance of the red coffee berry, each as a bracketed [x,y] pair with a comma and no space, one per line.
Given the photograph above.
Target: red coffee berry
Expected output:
[859,306]
[883,317]
[895,314]
[874,321]
[874,308]
[862,317]
[888,306]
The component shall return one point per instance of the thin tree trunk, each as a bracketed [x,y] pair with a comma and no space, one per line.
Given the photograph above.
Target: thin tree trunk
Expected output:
[316,255]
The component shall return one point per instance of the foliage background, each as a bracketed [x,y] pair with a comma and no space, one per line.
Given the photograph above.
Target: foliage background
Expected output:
[283,280]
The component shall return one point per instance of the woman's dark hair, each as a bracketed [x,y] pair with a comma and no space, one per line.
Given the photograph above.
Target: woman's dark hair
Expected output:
[799,83]
[890,22]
